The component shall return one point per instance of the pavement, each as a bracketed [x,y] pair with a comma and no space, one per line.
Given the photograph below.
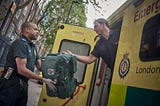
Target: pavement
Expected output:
[34,90]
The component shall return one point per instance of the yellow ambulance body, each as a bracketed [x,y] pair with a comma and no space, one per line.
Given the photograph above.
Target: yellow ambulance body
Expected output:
[136,76]
[81,41]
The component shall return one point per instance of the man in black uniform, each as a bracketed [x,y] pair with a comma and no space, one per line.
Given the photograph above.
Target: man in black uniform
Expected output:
[106,46]
[19,68]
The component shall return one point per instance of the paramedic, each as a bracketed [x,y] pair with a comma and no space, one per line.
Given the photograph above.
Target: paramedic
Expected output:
[22,58]
[106,46]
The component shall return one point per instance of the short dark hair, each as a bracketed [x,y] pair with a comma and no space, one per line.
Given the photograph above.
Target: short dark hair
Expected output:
[102,21]
[26,25]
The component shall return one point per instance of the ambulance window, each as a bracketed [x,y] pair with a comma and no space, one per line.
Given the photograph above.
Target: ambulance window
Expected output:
[150,43]
[78,48]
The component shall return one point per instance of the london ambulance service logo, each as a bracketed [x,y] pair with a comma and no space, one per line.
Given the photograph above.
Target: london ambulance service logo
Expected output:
[124,65]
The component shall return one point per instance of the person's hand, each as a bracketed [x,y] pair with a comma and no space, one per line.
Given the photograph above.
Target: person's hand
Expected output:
[50,84]
[67,52]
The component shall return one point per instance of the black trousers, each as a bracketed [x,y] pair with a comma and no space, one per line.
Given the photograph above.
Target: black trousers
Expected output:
[13,92]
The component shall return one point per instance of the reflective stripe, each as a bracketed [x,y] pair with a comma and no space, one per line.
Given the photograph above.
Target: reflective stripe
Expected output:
[118,94]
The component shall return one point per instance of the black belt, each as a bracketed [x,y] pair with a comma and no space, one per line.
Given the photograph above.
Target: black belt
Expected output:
[10,72]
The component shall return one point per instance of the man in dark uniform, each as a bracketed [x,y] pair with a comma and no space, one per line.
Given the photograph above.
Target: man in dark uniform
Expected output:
[19,68]
[106,46]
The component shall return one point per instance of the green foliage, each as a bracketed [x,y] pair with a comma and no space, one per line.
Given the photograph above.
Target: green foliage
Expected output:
[61,11]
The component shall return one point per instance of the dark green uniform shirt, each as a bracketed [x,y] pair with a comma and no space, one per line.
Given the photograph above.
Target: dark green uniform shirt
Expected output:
[25,49]
[107,49]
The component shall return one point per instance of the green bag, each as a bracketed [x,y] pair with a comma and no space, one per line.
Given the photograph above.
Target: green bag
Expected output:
[60,68]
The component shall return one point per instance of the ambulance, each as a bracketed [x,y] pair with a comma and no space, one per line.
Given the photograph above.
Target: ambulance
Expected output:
[136,78]
[136,75]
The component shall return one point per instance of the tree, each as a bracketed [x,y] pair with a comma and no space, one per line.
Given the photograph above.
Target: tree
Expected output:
[62,11]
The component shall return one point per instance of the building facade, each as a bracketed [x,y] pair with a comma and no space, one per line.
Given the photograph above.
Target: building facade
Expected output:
[12,14]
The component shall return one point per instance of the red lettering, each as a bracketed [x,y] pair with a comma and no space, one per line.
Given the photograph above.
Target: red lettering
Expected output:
[154,7]
[136,17]
[148,11]
[142,13]
[157,7]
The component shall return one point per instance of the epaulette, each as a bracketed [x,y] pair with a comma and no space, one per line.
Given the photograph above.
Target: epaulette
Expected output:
[23,39]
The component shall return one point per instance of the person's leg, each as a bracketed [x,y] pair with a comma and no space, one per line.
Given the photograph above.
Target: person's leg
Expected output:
[23,97]
[109,79]
[8,94]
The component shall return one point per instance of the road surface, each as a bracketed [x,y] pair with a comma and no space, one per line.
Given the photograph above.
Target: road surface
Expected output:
[33,93]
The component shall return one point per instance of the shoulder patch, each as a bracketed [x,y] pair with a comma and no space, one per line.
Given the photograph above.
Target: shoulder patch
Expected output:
[124,66]
[23,39]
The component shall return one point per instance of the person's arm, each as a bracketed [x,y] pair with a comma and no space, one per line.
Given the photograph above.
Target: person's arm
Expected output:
[85,59]
[23,70]
[38,64]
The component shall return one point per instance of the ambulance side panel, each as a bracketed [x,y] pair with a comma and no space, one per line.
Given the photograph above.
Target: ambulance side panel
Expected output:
[136,78]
